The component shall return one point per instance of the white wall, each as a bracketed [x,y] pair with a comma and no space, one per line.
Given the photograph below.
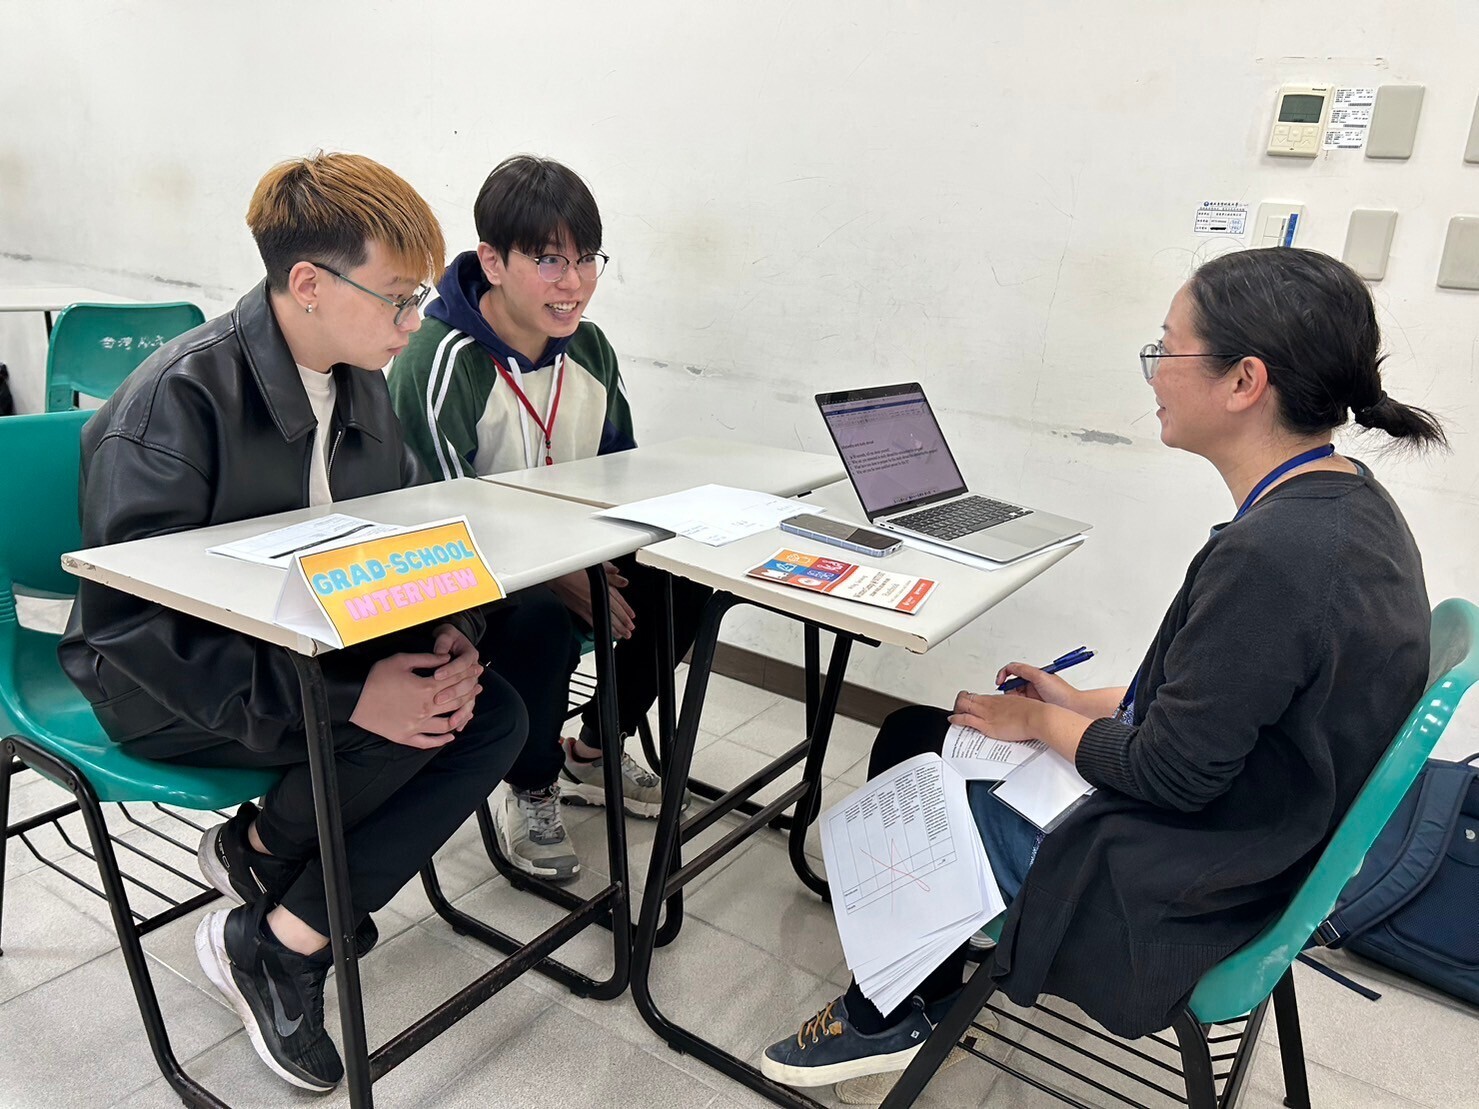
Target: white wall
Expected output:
[994,199]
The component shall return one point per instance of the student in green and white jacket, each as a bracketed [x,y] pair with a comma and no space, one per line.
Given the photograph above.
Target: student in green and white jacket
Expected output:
[505,374]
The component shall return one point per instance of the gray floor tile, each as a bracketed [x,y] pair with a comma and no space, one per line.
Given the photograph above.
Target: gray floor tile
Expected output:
[1404,1043]
[418,970]
[758,897]
[85,1043]
[606,1071]
[1265,1089]
[729,703]
[45,935]
[782,726]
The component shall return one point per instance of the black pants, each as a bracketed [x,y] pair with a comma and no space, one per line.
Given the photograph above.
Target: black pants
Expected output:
[399,804]
[532,642]
[908,732]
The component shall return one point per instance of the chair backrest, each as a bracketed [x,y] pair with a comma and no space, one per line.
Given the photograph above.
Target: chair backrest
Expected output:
[1237,984]
[38,504]
[95,346]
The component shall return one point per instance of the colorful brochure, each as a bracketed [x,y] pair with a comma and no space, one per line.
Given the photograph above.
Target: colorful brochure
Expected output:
[847,580]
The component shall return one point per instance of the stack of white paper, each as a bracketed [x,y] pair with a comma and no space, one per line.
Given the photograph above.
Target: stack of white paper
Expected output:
[712,514]
[910,880]
[277,548]
[1037,782]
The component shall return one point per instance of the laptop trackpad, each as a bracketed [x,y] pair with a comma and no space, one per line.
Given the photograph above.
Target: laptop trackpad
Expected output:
[1025,532]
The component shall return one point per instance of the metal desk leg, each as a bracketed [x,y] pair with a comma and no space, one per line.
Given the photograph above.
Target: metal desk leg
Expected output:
[820,734]
[325,781]
[666,878]
[613,902]
[813,640]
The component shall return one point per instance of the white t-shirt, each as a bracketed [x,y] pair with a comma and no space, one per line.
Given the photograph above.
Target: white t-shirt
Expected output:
[320,390]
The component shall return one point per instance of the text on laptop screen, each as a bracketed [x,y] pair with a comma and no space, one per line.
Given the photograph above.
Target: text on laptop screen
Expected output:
[893,449]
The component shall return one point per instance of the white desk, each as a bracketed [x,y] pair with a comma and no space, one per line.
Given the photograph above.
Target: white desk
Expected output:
[526,539]
[962,594]
[612,479]
[552,537]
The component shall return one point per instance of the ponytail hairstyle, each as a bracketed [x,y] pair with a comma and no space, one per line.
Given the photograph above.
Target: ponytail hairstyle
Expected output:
[1311,320]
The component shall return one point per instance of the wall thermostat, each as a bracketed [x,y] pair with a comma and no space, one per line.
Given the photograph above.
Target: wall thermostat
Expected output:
[1298,120]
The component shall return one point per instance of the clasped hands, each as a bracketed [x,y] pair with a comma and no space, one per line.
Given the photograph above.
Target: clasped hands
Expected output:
[420,709]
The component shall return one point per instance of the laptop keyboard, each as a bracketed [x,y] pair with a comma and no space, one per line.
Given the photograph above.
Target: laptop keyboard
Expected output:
[962,517]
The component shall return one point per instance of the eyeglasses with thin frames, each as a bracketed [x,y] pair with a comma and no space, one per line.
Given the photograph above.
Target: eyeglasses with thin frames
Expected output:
[552,267]
[1152,353]
[402,305]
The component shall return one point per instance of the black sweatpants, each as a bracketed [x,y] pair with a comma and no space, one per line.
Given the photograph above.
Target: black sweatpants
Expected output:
[399,804]
[532,642]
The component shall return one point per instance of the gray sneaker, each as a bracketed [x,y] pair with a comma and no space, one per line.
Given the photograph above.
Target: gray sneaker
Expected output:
[584,783]
[532,834]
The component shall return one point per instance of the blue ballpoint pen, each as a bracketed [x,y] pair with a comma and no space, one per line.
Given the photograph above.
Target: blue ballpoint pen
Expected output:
[1062,662]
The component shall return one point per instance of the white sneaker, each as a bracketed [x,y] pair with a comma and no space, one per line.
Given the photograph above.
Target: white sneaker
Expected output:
[531,833]
[584,783]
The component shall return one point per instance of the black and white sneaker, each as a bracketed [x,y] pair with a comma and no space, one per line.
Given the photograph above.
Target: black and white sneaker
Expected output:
[278,994]
[228,862]
[238,872]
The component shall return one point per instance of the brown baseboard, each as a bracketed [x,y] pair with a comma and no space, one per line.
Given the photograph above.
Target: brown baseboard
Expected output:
[789,680]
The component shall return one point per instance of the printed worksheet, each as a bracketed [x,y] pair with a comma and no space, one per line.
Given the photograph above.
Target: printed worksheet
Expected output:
[910,879]
[978,757]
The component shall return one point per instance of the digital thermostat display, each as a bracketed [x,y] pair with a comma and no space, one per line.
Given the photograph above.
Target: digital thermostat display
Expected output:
[1297,121]
[1301,109]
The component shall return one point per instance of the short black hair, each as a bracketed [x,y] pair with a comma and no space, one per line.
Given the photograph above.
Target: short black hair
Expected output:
[1310,319]
[527,202]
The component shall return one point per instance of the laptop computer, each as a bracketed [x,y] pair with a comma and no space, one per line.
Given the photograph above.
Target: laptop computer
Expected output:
[908,482]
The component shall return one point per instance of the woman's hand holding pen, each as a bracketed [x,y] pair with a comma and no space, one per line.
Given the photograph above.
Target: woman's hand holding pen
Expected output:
[1039,685]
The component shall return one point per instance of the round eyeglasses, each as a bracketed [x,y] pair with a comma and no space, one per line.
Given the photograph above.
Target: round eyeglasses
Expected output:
[552,267]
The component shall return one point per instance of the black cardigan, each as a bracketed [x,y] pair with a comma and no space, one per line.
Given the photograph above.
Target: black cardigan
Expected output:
[1292,653]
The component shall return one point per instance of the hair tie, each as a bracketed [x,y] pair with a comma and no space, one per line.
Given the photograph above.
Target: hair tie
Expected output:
[1364,413]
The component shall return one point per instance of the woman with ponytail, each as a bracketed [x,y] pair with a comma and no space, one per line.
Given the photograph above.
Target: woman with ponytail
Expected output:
[1292,651]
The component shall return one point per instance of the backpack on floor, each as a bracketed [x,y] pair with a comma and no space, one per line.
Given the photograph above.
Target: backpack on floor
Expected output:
[1414,904]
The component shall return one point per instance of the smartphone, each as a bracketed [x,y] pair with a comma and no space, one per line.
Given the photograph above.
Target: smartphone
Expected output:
[842,534]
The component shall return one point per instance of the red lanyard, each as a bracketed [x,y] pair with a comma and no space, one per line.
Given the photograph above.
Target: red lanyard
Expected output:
[546,425]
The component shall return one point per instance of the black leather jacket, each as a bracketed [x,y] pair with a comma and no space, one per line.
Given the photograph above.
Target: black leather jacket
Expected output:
[216,427]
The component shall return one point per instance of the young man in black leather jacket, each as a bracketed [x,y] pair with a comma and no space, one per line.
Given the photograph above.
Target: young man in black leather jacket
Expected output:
[278,405]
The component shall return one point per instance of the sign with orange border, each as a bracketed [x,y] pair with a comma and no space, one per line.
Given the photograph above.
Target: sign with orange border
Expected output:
[345,595]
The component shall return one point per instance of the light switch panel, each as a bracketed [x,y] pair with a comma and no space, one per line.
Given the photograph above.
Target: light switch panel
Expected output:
[1368,241]
[1459,268]
[1471,151]
[1394,121]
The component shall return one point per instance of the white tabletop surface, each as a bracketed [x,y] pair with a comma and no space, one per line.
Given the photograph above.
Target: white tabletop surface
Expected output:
[655,471]
[52,298]
[961,595]
[525,538]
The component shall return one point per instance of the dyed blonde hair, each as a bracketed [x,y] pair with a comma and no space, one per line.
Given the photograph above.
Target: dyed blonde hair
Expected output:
[327,207]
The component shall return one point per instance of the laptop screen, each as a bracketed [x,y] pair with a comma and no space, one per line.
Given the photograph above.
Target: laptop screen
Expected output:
[892,446]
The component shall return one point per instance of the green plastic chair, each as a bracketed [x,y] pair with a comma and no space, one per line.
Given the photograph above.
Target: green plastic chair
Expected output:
[49,726]
[1237,990]
[95,346]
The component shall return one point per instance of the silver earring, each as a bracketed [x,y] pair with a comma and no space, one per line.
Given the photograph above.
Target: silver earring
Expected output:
[309,309]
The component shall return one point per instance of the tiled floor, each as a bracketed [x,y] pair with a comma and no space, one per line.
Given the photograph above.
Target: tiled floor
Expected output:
[757,954]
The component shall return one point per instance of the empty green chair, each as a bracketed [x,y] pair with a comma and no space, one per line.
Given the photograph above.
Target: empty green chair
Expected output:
[1237,991]
[49,726]
[95,346]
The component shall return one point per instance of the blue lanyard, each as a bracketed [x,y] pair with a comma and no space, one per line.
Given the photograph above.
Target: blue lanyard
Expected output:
[1280,470]
[1127,707]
